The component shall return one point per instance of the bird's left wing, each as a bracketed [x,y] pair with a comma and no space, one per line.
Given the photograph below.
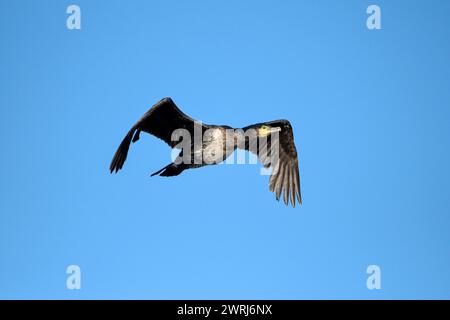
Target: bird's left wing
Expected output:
[285,177]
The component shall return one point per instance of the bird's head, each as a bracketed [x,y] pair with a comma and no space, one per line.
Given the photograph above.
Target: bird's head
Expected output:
[266,130]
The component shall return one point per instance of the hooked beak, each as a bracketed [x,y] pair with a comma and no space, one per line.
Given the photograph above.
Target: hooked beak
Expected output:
[274,129]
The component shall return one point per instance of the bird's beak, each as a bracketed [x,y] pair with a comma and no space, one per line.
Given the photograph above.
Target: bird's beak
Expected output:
[274,129]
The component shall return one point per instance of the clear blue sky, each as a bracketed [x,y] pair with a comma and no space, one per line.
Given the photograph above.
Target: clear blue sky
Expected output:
[370,111]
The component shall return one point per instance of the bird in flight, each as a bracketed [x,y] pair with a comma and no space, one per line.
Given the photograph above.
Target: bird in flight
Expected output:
[272,142]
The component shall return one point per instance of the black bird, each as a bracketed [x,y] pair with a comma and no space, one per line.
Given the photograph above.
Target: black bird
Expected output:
[272,142]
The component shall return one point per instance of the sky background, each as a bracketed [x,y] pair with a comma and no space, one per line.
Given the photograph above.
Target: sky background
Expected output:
[370,112]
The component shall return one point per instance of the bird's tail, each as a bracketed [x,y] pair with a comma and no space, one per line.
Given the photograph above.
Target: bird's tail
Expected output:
[170,170]
[121,154]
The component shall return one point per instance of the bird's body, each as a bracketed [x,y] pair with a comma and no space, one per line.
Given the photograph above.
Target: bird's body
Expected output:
[215,148]
[203,144]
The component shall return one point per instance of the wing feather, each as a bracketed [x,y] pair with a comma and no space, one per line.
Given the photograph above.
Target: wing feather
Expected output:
[291,187]
[279,183]
[286,182]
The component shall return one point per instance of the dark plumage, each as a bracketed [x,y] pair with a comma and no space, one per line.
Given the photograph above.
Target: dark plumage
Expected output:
[165,117]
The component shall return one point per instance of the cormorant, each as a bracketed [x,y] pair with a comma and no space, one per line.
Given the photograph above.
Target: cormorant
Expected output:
[272,142]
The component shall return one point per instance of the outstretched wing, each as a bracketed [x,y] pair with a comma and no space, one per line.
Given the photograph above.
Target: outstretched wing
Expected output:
[161,121]
[279,152]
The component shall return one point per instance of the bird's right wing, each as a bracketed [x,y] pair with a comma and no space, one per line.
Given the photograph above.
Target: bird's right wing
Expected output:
[161,121]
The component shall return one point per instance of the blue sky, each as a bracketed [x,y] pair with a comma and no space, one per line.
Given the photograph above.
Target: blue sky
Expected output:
[370,111]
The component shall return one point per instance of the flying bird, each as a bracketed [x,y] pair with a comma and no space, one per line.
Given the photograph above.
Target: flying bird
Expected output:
[272,142]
